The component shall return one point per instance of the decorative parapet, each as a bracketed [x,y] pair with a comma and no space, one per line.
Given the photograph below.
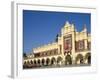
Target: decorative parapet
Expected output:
[46,47]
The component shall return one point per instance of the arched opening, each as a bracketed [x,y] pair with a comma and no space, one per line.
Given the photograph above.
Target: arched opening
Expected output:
[38,61]
[31,62]
[68,60]
[43,61]
[34,62]
[47,61]
[59,60]
[88,58]
[25,63]
[53,61]
[28,62]
[79,59]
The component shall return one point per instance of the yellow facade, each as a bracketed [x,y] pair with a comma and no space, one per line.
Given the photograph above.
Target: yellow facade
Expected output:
[71,48]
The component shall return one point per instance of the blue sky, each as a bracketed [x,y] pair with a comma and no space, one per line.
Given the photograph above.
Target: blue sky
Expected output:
[41,27]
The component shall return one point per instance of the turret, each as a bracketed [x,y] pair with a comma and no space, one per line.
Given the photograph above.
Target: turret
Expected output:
[84,28]
[67,24]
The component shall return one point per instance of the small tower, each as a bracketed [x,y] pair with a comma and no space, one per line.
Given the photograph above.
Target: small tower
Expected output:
[84,28]
[67,24]
[73,27]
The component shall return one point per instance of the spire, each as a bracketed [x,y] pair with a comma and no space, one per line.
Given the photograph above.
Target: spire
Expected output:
[72,25]
[67,24]
[84,28]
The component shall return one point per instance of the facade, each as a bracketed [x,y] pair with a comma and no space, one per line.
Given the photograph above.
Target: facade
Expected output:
[70,48]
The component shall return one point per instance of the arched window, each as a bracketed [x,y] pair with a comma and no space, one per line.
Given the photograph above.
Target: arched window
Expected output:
[47,61]
[59,60]
[31,62]
[68,60]
[79,59]
[88,58]
[53,61]
[43,61]
[34,61]
[38,61]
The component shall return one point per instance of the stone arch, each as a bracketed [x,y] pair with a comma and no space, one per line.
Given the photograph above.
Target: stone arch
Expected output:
[68,59]
[31,62]
[34,62]
[38,61]
[25,62]
[59,60]
[88,58]
[28,62]
[79,59]
[47,61]
[53,61]
[43,61]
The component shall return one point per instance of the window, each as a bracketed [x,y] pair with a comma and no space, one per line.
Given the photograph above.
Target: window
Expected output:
[68,42]
[81,45]
[89,45]
[60,49]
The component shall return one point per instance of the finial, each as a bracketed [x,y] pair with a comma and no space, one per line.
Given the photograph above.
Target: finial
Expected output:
[72,25]
[67,24]
[84,28]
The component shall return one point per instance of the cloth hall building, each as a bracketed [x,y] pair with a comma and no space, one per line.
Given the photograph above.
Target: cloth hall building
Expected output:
[70,48]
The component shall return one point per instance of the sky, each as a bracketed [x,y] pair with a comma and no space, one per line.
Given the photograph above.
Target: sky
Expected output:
[41,27]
